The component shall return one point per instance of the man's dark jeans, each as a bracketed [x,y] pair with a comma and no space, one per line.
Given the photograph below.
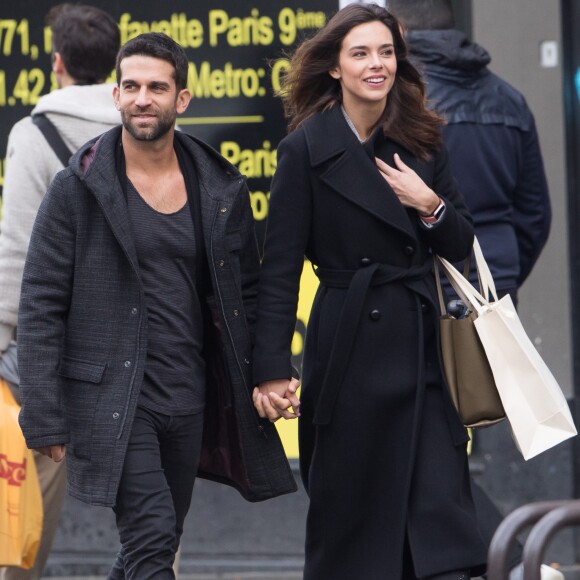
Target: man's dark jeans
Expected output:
[155,493]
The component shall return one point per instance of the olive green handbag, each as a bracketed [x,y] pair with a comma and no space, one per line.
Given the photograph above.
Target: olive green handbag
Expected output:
[465,365]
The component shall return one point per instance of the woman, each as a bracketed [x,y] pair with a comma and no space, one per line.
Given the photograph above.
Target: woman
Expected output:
[363,189]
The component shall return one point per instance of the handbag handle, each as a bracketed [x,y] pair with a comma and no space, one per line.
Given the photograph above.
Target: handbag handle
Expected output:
[442,305]
[466,268]
[486,283]
[455,287]
[463,287]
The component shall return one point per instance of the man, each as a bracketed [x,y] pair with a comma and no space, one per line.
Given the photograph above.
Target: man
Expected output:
[495,156]
[85,42]
[491,138]
[136,316]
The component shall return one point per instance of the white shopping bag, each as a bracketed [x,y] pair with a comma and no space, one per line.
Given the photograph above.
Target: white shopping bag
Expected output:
[535,406]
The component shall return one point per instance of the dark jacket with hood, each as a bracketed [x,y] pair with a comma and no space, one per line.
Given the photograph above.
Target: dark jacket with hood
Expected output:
[82,330]
[493,149]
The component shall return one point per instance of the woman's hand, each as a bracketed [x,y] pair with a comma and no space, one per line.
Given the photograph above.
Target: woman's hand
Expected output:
[274,399]
[408,186]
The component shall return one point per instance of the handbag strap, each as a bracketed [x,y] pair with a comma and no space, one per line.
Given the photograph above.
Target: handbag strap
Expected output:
[458,290]
[466,268]
[461,284]
[442,306]
[463,287]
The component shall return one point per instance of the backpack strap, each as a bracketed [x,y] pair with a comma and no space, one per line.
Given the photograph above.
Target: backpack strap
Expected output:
[53,137]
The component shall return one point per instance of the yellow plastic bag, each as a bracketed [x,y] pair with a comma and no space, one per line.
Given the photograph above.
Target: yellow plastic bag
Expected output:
[20,499]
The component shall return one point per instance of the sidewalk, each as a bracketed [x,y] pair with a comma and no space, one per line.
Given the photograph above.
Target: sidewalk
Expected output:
[570,573]
[219,576]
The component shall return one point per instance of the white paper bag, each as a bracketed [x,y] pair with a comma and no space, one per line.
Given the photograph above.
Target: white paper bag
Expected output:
[535,406]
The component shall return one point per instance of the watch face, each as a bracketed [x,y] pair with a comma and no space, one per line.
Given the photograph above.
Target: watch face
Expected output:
[437,213]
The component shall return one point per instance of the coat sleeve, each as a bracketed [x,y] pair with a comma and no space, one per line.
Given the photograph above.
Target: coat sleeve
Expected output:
[287,235]
[249,260]
[532,212]
[44,302]
[452,236]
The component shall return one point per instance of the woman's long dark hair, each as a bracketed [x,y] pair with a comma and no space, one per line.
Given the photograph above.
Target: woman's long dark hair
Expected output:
[307,87]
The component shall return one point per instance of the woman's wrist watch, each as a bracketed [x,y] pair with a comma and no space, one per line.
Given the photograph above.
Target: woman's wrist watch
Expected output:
[434,217]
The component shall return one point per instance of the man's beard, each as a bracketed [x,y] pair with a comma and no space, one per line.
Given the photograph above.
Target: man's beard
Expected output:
[163,125]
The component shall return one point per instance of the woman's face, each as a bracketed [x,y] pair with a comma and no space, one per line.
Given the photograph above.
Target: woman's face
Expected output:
[366,66]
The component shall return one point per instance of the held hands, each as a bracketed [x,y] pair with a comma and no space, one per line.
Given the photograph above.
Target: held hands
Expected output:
[408,186]
[275,399]
[55,452]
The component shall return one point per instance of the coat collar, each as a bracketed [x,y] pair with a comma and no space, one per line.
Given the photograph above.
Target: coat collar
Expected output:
[94,161]
[348,167]
[95,165]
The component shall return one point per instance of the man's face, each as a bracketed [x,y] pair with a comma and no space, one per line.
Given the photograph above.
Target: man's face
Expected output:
[148,98]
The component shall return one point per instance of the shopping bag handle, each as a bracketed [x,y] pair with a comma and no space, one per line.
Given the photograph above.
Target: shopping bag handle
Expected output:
[486,283]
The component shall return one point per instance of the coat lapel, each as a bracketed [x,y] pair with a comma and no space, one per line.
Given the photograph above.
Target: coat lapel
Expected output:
[219,181]
[101,179]
[117,214]
[349,169]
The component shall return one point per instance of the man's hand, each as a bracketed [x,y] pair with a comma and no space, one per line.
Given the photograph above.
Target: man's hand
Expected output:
[55,452]
[274,399]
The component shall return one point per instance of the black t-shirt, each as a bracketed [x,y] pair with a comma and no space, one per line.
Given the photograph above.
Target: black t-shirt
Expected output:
[174,381]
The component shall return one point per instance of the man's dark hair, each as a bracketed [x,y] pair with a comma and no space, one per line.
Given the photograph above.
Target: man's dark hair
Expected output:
[87,39]
[423,14]
[157,45]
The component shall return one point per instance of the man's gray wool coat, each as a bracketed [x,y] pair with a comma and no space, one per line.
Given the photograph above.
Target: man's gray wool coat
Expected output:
[82,330]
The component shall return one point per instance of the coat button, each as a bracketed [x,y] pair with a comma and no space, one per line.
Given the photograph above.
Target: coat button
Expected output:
[375,314]
[223,209]
[134,311]
[127,363]
[221,263]
[409,250]
[247,361]
[236,312]
[424,307]
[115,415]
[365,262]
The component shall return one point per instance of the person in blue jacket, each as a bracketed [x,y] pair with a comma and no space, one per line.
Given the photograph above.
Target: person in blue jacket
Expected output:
[491,138]
[495,156]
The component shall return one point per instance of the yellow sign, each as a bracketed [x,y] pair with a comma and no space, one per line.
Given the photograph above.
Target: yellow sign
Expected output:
[288,430]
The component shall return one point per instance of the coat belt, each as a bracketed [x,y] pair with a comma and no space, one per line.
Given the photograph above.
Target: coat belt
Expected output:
[358,282]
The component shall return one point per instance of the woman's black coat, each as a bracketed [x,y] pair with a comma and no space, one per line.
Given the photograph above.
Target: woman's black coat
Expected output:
[382,449]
